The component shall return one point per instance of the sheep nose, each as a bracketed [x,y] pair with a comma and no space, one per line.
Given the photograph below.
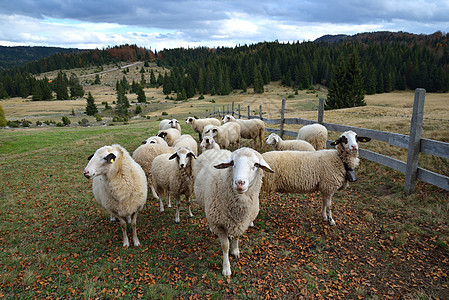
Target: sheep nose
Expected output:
[354,147]
[182,165]
[86,174]
[240,184]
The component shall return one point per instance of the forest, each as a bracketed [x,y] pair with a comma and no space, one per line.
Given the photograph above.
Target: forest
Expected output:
[388,61]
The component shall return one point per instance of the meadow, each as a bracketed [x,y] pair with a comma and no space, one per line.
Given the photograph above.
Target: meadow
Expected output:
[57,242]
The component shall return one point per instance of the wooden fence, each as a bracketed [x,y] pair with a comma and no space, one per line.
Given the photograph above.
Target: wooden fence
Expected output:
[413,142]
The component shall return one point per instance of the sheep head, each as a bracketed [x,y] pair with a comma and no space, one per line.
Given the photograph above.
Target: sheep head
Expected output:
[227,118]
[348,142]
[245,163]
[184,155]
[101,161]
[207,142]
[273,139]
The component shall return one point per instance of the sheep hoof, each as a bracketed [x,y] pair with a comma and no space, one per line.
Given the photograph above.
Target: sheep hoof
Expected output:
[137,244]
[332,222]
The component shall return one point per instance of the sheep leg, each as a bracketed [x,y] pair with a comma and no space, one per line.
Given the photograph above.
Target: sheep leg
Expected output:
[153,192]
[327,212]
[134,228]
[125,234]
[169,201]
[224,241]
[178,204]
[188,206]
[235,247]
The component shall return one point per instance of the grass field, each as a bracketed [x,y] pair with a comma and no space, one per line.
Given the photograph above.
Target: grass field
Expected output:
[57,242]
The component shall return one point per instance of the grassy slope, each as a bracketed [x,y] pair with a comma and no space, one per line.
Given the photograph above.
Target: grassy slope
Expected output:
[56,241]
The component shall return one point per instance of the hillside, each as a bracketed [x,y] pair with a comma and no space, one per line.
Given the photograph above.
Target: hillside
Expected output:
[16,56]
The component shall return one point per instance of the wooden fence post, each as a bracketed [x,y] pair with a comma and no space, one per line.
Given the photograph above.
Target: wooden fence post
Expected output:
[214,111]
[414,141]
[239,111]
[281,127]
[249,112]
[232,108]
[320,110]
[260,111]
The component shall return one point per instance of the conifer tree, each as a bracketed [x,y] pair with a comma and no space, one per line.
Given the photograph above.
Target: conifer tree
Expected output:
[153,82]
[76,89]
[141,98]
[91,107]
[258,82]
[97,79]
[122,103]
[60,86]
[346,86]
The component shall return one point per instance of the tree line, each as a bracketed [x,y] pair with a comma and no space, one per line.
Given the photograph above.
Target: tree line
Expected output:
[383,62]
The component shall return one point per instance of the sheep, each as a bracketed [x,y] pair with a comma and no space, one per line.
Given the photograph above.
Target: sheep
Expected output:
[226,134]
[279,144]
[229,194]
[186,140]
[325,170]
[169,135]
[155,140]
[198,124]
[249,129]
[144,156]
[166,124]
[208,143]
[119,184]
[206,128]
[210,156]
[315,134]
[175,176]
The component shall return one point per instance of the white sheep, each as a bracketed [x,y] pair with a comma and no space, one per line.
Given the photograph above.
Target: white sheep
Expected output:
[198,124]
[169,135]
[316,134]
[166,124]
[144,156]
[226,134]
[325,170]
[174,173]
[186,140]
[119,184]
[208,143]
[249,129]
[229,194]
[279,144]
[206,128]
[155,140]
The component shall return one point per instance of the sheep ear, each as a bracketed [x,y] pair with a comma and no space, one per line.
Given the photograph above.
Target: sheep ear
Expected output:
[110,158]
[363,139]
[264,166]
[174,155]
[224,165]
[214,130]
[191,154]
[90,157]
[144,142]
[336,142]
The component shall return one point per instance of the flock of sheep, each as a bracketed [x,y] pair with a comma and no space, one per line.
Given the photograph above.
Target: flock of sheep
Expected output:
[226,184]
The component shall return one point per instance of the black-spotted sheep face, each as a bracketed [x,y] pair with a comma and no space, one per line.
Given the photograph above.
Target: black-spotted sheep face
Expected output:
[349,141]
[100,161]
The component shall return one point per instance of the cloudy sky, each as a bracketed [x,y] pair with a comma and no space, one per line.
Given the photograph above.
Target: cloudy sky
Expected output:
[88,24]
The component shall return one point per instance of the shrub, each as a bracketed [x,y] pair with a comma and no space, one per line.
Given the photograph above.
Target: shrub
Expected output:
[164,113]
[13,124]
[65,121]
[138,109]
[59,124]
[38,123]
[201,97]
[25,123]
[98,117]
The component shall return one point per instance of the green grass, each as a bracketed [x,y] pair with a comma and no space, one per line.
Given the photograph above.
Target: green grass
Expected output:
[57,242]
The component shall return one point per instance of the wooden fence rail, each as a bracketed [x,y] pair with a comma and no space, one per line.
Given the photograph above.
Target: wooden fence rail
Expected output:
[413,142]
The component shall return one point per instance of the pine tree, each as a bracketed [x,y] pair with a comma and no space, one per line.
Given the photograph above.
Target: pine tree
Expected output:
[153,82]
[97,79]
[60,86]
[76,89]
[141,98]
[258,82]
[346,86]
[122,103]
[91,107]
